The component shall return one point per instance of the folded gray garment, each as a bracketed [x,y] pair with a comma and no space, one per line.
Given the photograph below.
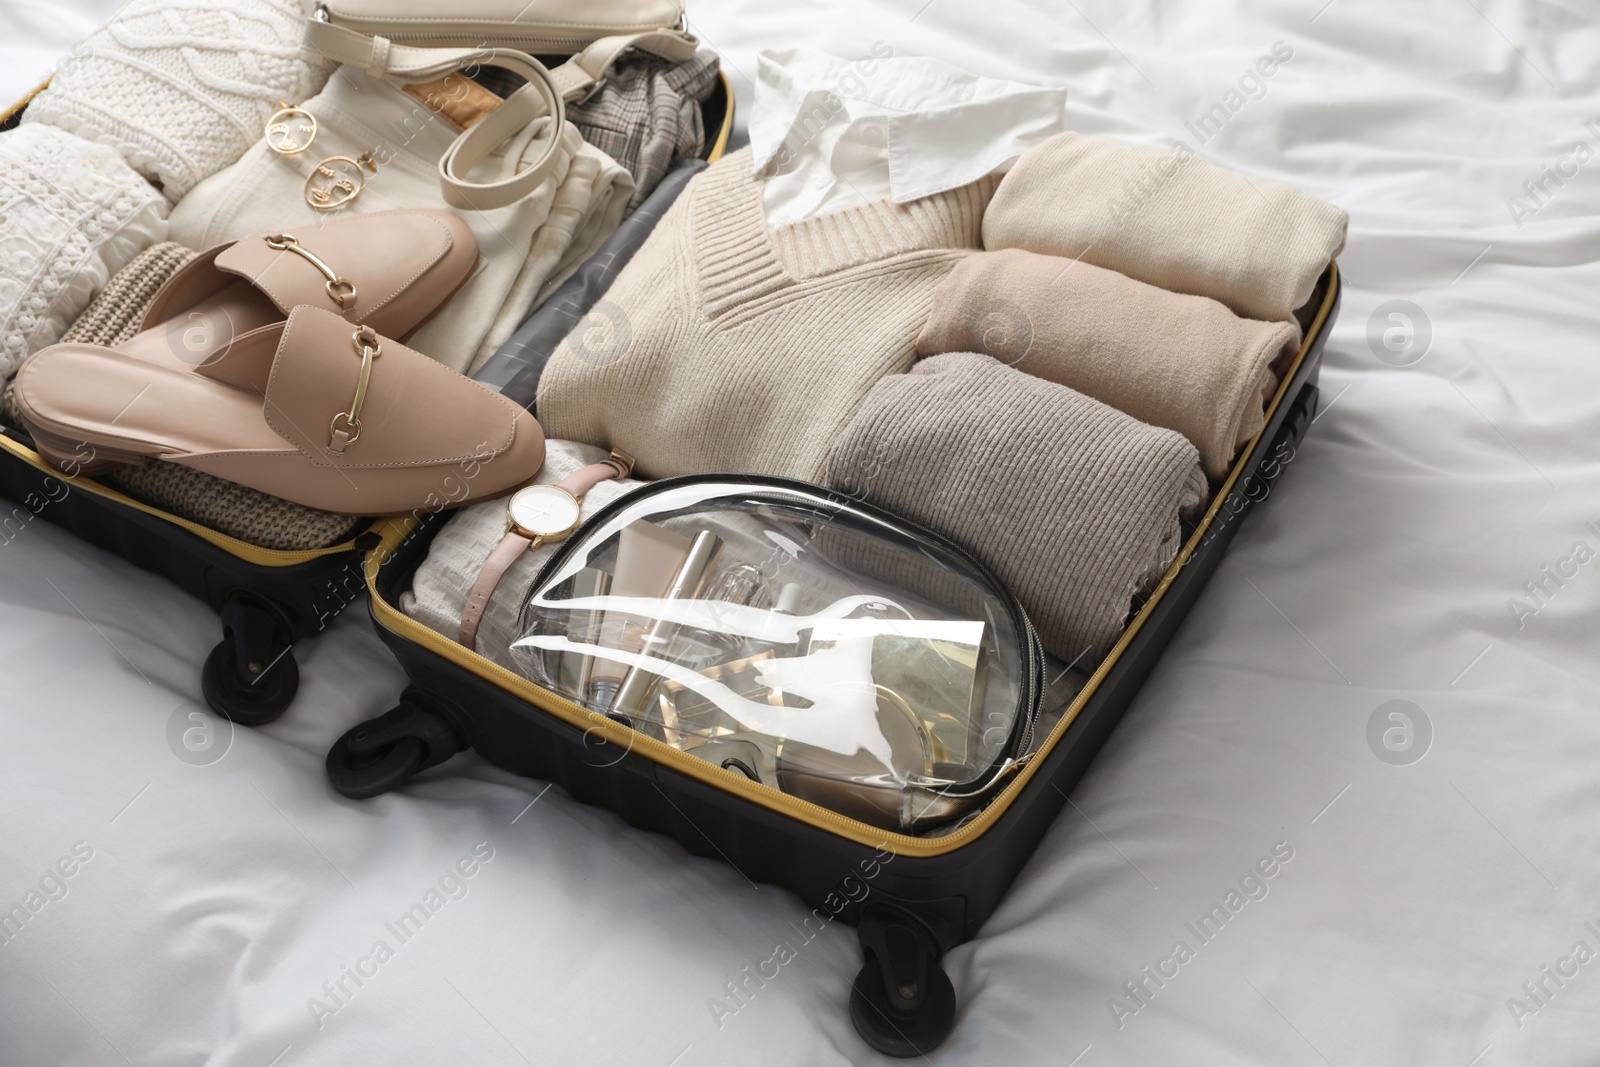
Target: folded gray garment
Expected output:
[1169,218]
[1182,362]
[1073,504]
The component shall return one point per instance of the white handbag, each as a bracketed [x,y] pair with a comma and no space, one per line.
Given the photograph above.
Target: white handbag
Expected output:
[485,33]
[547,28]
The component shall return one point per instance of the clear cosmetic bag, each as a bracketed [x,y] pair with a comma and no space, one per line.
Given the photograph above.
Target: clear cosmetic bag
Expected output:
[796,636]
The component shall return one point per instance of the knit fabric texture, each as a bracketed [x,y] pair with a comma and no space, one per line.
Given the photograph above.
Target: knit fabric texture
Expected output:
[646,115]
[438,593]
[1073,504]
[1168,218]
[1182,362]
[726,347]
[182,87]
[236,510]
[527,247]
[114,316]
[230,508]
[71,215]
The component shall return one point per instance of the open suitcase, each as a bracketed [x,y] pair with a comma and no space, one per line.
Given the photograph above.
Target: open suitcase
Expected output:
[268,599]
[911,898]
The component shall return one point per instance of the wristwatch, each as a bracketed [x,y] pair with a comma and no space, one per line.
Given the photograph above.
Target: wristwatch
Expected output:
[536,515]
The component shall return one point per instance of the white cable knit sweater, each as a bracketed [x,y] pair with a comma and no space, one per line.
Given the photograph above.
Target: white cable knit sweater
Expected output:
[71,215]
[182,87]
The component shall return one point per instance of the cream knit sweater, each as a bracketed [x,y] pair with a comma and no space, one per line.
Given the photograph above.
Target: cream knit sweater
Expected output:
[182,87]
[725,346]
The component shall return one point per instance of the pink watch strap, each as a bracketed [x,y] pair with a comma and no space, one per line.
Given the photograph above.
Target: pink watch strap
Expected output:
[514,544]
[584,479]
[507,552]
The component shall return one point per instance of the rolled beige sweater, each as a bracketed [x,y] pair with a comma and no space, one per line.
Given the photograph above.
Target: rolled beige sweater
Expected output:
[1074,505]
[1185,363]
[1169,218]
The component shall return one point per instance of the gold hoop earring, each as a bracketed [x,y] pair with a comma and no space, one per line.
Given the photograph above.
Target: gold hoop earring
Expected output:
[337,181]
[291,130]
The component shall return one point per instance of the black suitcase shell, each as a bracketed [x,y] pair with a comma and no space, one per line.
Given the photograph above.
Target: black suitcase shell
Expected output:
[910,898]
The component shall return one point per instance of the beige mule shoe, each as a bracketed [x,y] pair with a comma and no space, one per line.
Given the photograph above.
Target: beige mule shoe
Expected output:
[314,409]
[390,270]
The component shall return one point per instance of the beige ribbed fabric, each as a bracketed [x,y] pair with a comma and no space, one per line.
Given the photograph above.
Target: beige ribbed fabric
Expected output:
[1182,362]
[1169,218]
[438,593]
[1074,505]
[723,346]
[114,316]
[227,507]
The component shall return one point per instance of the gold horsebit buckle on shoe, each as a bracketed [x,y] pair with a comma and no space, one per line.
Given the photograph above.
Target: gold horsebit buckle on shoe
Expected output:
[340,437]
[341,291]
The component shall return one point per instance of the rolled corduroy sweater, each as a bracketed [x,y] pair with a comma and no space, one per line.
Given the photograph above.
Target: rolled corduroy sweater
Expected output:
[1074,505]
[727,346]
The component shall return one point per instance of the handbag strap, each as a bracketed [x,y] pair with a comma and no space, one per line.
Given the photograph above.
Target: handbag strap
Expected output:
[578,76]
[544,95]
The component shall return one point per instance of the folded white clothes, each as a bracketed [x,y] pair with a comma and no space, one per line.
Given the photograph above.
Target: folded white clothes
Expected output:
[528,247]
[72,214]
[182,87]
[438,593]
[828,133]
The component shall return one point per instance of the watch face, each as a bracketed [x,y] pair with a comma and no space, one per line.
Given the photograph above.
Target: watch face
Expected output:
[544,511]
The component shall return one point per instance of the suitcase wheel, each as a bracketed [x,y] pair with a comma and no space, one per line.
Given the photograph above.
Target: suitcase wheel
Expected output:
[251,676]
[381,754]
[901,1002]
[248,697]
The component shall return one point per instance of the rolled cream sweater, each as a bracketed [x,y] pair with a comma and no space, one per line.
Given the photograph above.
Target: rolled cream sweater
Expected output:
[1169,218]
[727,346]
[1183,362]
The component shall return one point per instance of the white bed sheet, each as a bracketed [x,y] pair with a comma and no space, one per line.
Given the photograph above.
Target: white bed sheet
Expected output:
[1419,899]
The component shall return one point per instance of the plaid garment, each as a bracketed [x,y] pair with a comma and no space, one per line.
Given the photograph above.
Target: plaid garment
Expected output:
[226,507]
[645,114]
